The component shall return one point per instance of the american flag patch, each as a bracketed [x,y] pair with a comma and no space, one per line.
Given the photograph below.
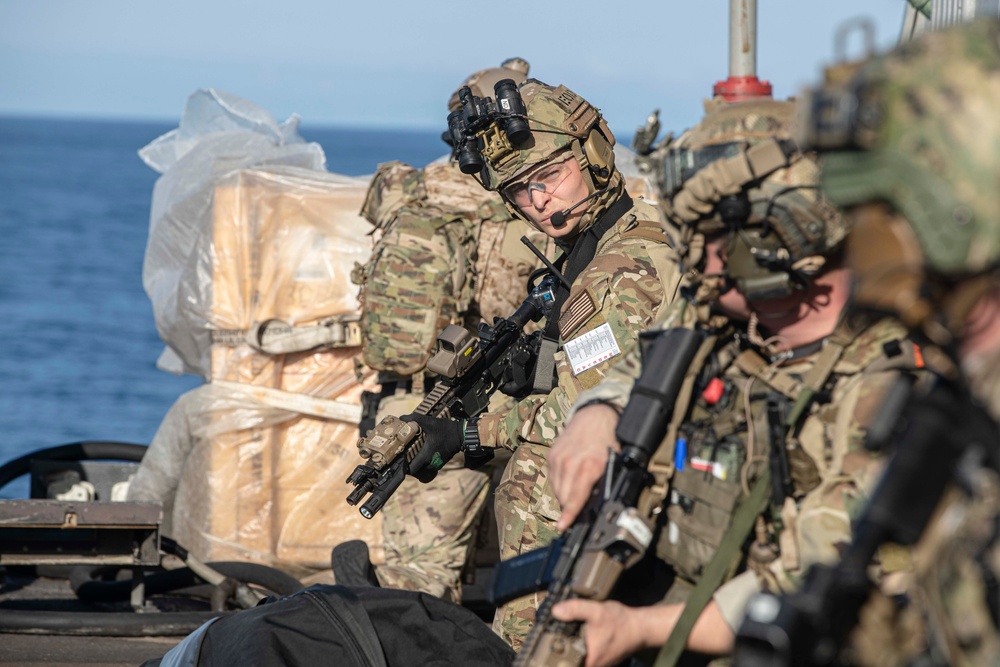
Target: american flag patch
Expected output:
[576,312]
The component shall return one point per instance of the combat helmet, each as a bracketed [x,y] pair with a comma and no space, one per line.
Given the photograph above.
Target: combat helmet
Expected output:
[558,123]
[739,172]
[915,156]
[483,82]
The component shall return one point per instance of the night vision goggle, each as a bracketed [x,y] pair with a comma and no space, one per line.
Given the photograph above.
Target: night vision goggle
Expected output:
[484,127]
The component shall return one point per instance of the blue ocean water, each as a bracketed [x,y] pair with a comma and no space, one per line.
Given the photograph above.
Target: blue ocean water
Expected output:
[78,344]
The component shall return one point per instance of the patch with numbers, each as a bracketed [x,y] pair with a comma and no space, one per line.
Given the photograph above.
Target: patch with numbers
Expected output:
[589,349]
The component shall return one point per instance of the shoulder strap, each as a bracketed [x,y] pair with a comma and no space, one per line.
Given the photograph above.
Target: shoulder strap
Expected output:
[722,562]
[800,392]
[754,365]
[579,257]
[351,617]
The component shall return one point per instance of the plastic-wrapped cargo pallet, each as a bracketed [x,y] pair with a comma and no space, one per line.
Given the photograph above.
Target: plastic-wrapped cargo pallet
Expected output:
[248,269]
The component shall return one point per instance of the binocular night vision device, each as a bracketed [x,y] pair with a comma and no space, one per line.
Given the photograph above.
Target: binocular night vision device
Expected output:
[478,113]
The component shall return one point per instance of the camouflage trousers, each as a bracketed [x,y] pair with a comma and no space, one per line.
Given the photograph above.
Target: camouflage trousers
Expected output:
[526,513]
[429,530]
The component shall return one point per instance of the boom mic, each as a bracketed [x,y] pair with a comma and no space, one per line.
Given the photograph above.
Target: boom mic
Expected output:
[558,219]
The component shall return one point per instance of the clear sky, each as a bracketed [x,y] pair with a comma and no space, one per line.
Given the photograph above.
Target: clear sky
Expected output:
[394,63]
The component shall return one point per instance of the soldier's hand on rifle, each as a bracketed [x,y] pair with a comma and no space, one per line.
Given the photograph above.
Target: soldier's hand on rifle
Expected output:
[579,458]
[443,438]
[613,631]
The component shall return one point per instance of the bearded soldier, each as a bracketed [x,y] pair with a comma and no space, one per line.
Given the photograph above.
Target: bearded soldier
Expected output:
[767,449]
[619,271]
[449,252]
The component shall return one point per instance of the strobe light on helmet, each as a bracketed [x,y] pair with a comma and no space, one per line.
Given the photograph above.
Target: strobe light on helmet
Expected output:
[476,114]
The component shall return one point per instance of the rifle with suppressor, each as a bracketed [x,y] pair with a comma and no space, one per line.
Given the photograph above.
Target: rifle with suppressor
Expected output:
[937,433]
[471,370]
[615,530]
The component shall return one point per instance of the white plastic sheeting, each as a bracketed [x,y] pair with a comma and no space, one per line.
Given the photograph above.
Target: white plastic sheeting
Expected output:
[247,227]
[218,135]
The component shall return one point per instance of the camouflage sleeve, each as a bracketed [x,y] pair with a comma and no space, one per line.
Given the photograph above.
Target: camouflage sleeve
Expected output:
[616,385]
[619,292]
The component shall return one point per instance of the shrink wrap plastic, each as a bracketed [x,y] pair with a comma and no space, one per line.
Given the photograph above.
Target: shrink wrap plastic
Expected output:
[247,227]
[219,134]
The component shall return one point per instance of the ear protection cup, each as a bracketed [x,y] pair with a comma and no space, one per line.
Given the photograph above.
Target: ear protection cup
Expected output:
[600,154]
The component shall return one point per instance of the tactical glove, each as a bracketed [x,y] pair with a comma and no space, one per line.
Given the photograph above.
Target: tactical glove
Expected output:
[519,374]
[443,438]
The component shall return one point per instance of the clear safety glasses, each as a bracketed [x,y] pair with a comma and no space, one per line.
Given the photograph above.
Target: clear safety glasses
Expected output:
[547,178]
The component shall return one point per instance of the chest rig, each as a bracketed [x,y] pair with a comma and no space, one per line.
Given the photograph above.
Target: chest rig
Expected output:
[734,509]
[744,422]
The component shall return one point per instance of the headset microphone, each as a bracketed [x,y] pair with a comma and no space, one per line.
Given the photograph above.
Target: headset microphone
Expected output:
[558,219]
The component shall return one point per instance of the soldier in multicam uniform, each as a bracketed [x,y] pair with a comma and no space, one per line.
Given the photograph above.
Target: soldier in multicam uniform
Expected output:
[916,168]
[795,384]
[449,252]
[621,272]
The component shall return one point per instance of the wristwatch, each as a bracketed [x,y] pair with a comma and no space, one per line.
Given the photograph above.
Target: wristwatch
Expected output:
[475,454]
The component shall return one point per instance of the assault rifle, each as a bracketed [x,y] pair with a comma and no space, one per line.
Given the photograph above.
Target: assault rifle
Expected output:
[939,434]
[471,370]
[615,530]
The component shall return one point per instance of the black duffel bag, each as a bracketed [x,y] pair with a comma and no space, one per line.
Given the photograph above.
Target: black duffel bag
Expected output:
[344,626]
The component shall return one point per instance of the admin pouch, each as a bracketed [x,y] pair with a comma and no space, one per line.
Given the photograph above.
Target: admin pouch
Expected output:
[711,477]
[701,505]
[347,627]
[419,277]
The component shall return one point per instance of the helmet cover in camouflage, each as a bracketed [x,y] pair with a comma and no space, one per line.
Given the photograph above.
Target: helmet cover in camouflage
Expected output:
[788,218]
[482,82]
[558,118]
[560,121]
[918,129]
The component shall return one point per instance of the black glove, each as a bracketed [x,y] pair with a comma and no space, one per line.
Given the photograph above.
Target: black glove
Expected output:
[519,373]
[443,438]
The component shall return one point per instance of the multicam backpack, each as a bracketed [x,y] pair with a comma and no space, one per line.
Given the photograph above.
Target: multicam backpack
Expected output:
[420,277]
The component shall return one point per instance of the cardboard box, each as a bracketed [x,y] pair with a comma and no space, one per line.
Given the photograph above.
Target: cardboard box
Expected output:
[273,490]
